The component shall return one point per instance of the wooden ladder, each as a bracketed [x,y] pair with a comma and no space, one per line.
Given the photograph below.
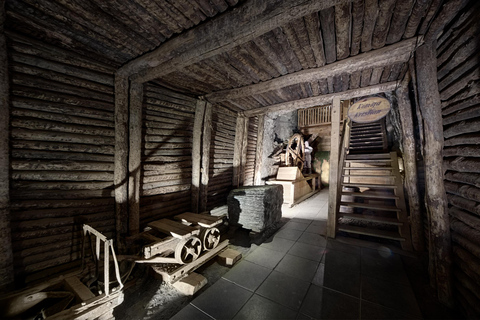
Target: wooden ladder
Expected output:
[372,198]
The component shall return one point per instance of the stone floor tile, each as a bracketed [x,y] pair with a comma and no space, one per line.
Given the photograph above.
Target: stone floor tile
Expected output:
[295,225]
[260,308]
[301,220]
[278,244]
[383,265]
[322,303]
[319,229]
[283,289]
[374,311]
[265,257]
[391,295]
[313,239]
[248,275]
[290,234]
[222,300]
[342,272]
[339,246]
[190,312]
[318,278]
[307,251]
[297,267]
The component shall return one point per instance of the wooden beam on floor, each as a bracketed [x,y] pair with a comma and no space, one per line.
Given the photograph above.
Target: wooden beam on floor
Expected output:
[322,100]
[6,268]
[238,26]
[393,54]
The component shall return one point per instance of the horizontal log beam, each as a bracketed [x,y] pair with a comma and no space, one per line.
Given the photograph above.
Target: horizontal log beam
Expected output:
[325,99]
[248,21]
[397,53]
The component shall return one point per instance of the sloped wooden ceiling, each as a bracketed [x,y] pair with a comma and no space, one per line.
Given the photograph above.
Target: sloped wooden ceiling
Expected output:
[119,31]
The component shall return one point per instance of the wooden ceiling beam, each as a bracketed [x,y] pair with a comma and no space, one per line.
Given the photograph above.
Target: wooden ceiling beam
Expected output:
[322,100]
[390,55]
[238,26]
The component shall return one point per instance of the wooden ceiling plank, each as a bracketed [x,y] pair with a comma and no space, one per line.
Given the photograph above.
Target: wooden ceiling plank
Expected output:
[366,76]
[244,69]
[357,26]
[315,88]
[386,73]
[220,5]
[221,63]
[327,23]
[342,30]
[303,39]
[203,74]
[224,70]
[399,52]
[345,78]
[330,85]
[418,12]
[247,22]
[465,20]
[312,24]
[246,59]
[383,23]
[207,8]
[432,10]
[355,79]
[395,72]
[322,100]
[280,43]
[370,18]
[289,31]
[265,46]
[261,60]
[376,76]
[323,86]
[178,16]
[399,20]
[337,83]
[189,10]
[443,18]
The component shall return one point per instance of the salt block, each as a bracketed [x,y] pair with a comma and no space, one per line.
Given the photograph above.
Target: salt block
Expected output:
[191,284]
[229,257]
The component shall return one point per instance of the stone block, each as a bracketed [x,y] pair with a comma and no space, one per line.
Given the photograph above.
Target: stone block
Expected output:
[191,284]
[229,257]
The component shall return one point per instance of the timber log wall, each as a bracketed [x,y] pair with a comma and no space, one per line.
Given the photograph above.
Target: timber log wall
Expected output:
[221,156]
[166,171]
[459,84]
[62,152]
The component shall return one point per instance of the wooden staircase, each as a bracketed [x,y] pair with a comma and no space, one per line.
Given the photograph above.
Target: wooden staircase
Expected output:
[372,198]
[368,137]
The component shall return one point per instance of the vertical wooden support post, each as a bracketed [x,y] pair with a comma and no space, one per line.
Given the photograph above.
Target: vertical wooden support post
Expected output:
[410,164]
[244,151]
[6,263]
[197,153]
[259,151]
[207,138]
[334,167]
[430,106]
[121,159]
[135,156]
[237,153]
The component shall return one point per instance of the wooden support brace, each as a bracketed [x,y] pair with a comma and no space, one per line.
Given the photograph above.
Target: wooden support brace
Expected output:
[196,153]
[333,196]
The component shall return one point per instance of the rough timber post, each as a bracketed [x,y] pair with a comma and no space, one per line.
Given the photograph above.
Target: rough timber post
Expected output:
[430,106]
[207,137]
[237,153]
[197,153]
[406,118]
[334,167]
[6,263]
[135,156]
[259,151]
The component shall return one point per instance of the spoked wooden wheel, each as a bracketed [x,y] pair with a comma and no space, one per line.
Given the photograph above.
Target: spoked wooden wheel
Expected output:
[188,250]
[295,155]
[210,238]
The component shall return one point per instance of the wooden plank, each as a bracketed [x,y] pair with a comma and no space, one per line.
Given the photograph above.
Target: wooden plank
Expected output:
[203,220]
[121,159]
[383,23]
[342,30]
[370,17]
[334,168]
[259,151]
[322,100]
[399,52]
[248,21]
[237,156]
[207,138]
[196,153]
[173,228]
[243,158]
[135,156]
[327,22]
[357,26]
[80,290]
[430,106]
[6,268]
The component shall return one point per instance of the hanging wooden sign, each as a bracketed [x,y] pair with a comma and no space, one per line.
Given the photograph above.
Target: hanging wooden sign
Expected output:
[369,109]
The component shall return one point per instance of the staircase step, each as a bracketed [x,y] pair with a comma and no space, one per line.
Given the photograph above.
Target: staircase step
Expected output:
[368,169]
[371,195]
[356,135]
[367,126]
[369,156]
[369,160]
[366,133]
[365,144]
[368,176]
[358,124]
[370,206]
[357,139]
[371,232]
[369,185]
[370,218]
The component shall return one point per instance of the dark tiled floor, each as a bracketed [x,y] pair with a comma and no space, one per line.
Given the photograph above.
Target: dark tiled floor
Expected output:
[299,274]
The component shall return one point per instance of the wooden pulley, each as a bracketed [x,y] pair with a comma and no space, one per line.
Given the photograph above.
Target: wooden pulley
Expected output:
[295,155]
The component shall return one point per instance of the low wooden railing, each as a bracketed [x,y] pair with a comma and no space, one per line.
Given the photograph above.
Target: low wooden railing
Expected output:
[315,116]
